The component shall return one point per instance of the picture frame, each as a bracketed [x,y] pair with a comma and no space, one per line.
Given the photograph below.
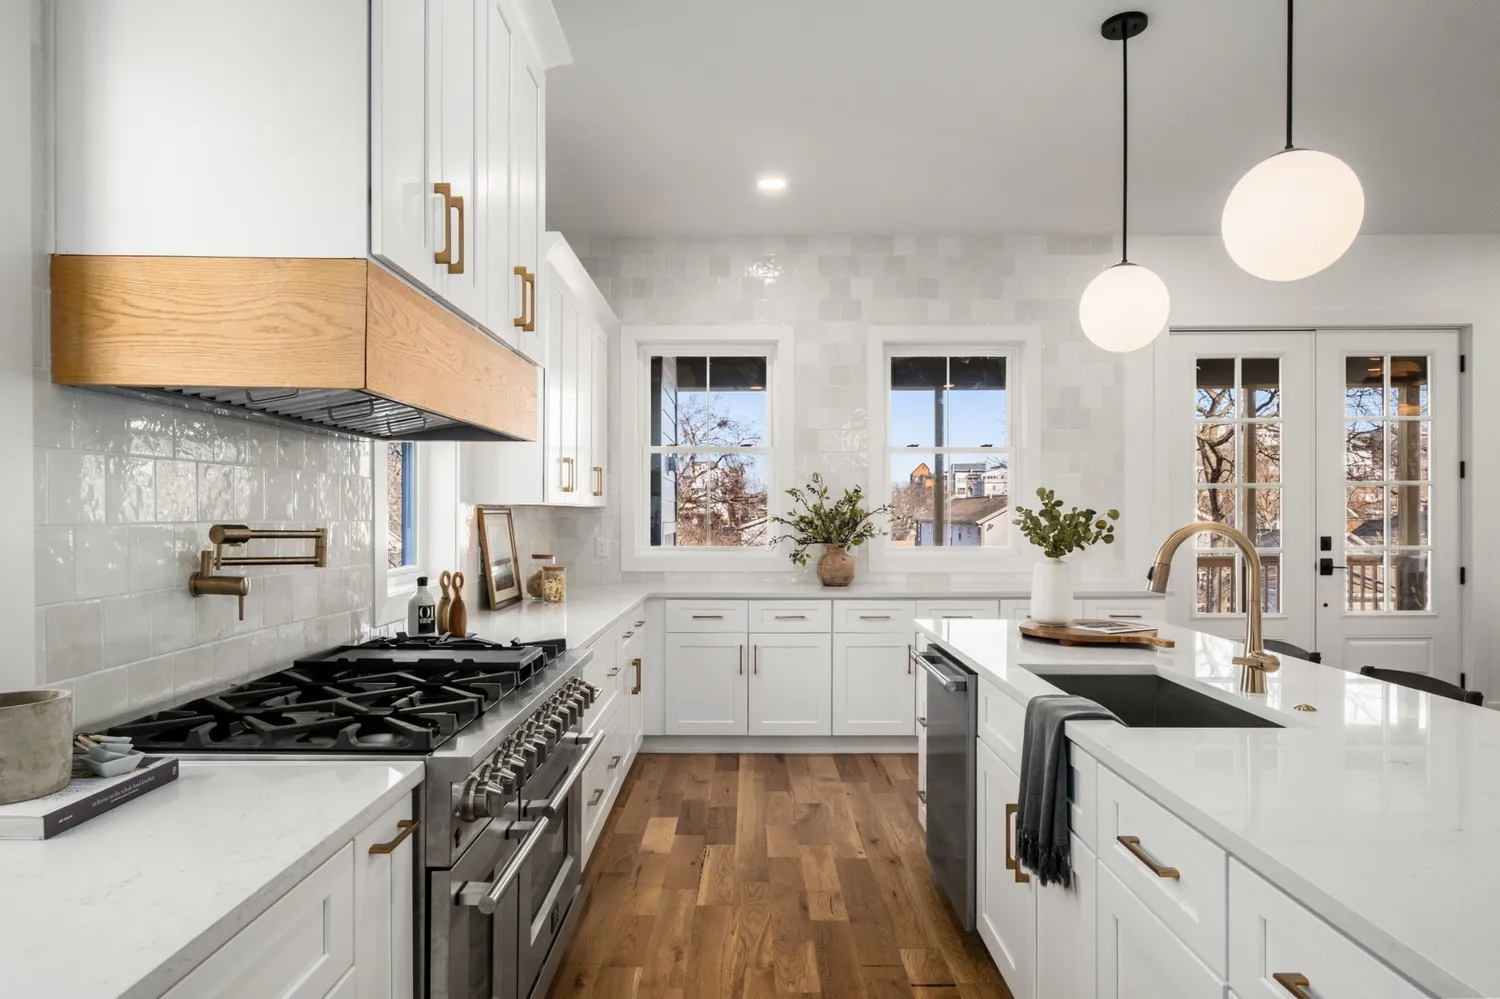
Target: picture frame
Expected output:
[497,553]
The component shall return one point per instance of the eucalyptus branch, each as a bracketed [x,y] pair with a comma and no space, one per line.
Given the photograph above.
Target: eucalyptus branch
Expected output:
[1057,533]
[843,522]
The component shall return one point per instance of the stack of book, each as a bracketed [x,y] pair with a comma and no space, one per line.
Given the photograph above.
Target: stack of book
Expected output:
[85,797]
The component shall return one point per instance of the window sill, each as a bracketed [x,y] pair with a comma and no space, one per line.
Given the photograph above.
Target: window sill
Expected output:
[400,584]
[687,560]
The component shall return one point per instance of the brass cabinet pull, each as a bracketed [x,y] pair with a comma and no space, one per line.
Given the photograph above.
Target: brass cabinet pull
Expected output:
[445,255]
[637,664]
[613,672]
[598,794]
[405,828]
[527,319]
[1295,983]
[568,464]
[457,266]
[614,761]
[1011,863]
[922,797]
[922,722]
[1133,844]
[598,480]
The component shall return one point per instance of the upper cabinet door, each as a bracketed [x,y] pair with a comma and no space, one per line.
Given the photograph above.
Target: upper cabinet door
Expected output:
[461,36]
[527,134]
[404,211]
[600,392]
[495,248]
[583,376]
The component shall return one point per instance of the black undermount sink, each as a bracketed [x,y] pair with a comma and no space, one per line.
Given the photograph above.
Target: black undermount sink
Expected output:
[1145,700]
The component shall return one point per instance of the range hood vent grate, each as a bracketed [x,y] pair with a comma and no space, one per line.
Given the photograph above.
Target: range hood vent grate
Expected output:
[348,410]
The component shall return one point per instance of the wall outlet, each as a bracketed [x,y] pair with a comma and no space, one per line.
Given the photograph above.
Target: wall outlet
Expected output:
[601,548]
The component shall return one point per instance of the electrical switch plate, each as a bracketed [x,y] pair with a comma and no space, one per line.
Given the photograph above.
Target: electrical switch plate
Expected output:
[601,548]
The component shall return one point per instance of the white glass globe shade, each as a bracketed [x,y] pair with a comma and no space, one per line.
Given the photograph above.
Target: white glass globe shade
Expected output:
[1293,214]
[1124,308]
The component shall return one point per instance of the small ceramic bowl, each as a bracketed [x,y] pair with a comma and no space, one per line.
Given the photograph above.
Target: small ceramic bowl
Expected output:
[121,764]
[106,754]
[112,741]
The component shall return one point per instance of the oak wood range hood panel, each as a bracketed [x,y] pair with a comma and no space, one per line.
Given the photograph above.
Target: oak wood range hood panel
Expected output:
[341,344]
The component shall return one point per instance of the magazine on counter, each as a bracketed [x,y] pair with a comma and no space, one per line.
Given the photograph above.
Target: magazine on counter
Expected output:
[1112,626]
[85,796]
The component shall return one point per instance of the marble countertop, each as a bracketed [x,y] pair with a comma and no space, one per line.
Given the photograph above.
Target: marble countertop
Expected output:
[129,903]
[1380,811]
[589,611]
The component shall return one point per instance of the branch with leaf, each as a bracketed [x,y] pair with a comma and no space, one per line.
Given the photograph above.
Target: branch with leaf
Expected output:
[843,522]
[1057,533]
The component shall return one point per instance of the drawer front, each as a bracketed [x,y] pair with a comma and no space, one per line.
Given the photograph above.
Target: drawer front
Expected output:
[892,617]
[1126,609]
[1020,610]
[687,616]
[1192,903]
[1001,720]
[596,781]
[633,639]
[604,674]
[299,948]
[949,610]
[780,616]
[1083,796]
[1271,934]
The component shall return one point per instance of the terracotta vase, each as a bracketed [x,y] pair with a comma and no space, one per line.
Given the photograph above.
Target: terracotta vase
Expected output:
[836,567]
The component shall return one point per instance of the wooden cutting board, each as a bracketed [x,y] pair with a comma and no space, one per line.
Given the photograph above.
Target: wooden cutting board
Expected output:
[1064,635]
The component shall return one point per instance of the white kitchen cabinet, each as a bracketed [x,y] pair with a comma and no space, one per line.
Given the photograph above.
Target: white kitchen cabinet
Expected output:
[1020,610]
[1066,931]
[1271,934]
[527,203]
[568,466]
[459,35]
[1006,901]
[344,930]
[790,684]
[874,685]
[1139,956]
[1126,608]
[706,689]
[953,610]
[402,204]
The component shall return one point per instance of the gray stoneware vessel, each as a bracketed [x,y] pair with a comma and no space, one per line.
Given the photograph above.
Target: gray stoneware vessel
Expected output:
[36,743]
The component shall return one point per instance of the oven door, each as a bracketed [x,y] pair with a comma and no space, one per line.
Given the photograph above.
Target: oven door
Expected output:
[548,886]
[472,954]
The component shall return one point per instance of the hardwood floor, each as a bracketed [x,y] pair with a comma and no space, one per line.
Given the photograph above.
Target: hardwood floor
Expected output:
[762,875]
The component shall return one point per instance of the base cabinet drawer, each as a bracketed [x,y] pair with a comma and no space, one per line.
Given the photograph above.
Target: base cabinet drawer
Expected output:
[958,610]
[1276,945]
[1174,870]
[1139,957]
[769,616]
[1001,721]
[893,617]
[299,948]
[720,616]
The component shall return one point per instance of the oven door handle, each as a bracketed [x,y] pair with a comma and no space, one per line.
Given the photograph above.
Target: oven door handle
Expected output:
[486,895]
[591,746]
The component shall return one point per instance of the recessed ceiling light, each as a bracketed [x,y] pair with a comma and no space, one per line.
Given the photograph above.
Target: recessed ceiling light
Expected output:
[771,184]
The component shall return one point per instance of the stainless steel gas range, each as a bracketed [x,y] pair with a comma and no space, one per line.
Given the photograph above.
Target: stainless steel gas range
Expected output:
[500,730]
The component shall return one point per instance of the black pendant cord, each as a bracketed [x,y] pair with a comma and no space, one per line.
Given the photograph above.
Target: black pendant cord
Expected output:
[1125,150]
[1289,74]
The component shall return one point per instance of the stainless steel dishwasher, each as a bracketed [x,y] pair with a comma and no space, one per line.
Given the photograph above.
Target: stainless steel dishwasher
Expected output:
[952,729]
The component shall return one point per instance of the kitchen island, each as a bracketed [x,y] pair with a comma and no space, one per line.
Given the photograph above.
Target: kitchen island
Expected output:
[1372,812]
[127,905]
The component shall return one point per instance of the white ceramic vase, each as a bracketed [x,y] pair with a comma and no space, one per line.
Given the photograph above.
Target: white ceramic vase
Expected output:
[1051,592]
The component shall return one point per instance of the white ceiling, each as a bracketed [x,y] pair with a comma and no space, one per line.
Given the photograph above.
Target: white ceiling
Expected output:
[965,115]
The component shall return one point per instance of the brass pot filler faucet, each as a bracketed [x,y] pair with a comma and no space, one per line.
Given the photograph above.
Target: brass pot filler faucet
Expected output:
[205,582]
[1256,662]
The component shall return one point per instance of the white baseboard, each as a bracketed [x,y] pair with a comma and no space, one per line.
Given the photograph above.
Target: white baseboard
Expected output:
[824,745]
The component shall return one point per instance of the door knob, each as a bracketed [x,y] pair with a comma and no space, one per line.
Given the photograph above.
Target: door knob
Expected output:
[1326,567]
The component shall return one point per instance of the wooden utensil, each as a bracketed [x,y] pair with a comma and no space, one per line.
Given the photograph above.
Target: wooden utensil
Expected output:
[458,613]
[1064,635]
[445,605]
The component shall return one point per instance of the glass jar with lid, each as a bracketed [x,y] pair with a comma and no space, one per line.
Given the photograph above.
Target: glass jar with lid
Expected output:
[554,583]
[539,562]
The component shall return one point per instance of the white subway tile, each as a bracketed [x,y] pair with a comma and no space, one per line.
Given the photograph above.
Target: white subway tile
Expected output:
[75,487]
[129,490]
[101,557]
[153,560]
[127,629]
[216,499]
[101,698]
[230,439]
[192,672]
[55,574]
[193,436]
[99,423]
[173,619]
[75,639]
[51,412]
[152,682]
[176,491]
[40,511]
[149,429]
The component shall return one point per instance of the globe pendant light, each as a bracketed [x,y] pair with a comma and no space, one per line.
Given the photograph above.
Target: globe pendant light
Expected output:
[1126,306]
[1293,214]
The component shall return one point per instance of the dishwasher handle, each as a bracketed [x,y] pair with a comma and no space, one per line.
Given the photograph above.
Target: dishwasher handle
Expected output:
[950,683]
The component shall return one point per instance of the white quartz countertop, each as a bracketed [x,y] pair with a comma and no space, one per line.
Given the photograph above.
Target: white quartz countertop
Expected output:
[589,611]
[125,905]
[1380,811]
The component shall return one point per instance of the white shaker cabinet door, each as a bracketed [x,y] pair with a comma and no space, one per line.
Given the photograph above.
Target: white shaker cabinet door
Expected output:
[706,690]
[790,684]
[461,38]
[405,213]
[874,685]
[598,391]
[1006,903]
[384,909]
[1066,921]
[527,177]
[1139,956]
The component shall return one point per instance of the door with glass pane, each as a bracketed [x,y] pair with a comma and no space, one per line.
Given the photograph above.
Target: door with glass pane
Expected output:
[1245,459]
[1387,584]
[1336,452]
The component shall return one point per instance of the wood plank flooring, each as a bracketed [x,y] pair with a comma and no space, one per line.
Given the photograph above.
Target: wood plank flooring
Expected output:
[762,875]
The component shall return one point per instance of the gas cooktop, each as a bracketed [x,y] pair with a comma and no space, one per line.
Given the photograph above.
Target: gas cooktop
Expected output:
[400,695]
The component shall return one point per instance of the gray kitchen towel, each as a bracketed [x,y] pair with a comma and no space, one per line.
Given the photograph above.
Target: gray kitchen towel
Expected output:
[1042,812]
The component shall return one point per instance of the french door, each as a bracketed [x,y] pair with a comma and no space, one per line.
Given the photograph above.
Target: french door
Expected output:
[1336,452]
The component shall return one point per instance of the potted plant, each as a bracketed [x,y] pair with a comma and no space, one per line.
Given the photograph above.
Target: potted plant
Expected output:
[1057,534]
[837,526]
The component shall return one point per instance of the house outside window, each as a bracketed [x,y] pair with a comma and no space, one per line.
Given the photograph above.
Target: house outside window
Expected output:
[706,428]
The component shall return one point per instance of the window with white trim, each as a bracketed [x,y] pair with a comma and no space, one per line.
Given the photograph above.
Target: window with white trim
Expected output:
[707,420]
[949,412]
